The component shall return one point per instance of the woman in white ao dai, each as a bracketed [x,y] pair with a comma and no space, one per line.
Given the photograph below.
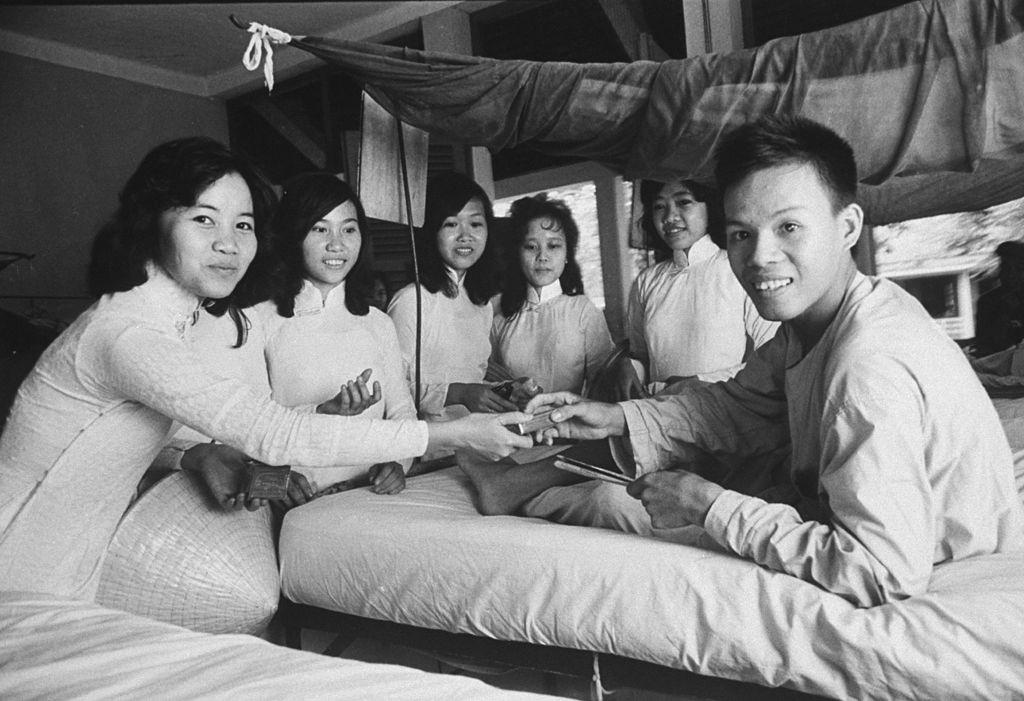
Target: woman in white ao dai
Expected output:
[321,332]
[545,328]
[457,280]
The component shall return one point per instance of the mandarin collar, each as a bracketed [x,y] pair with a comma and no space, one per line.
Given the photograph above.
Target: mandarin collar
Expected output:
[702,249]
[309,299]
[453,274]
[535,298]
[176,304]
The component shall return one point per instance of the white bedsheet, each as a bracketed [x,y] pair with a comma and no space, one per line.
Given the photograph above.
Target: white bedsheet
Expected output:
[425,557]
[60,649]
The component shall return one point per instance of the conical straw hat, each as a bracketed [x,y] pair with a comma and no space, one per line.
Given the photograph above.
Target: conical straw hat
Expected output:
[178,557]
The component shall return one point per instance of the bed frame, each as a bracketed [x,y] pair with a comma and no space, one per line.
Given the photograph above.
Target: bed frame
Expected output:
[606,672]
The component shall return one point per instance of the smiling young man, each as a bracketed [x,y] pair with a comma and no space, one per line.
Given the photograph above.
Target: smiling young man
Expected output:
[898,460]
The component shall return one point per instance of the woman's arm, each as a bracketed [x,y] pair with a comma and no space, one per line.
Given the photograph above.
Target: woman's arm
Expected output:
[402,311]
[161,372]
[398,402]
[597,340]
[636,326]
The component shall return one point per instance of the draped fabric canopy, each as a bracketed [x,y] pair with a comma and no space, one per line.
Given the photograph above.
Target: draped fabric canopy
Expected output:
[930,95]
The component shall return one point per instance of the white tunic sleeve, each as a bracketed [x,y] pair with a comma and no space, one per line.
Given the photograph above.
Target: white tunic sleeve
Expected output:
[402,311]
[394,387]
[636,329]
[146,366]
[597,339]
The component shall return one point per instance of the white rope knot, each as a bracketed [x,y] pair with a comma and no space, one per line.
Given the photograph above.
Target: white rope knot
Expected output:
[263,37]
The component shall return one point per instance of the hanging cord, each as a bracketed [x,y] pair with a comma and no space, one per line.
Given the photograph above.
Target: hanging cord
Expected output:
[415,260]
[597,690]
[263,39]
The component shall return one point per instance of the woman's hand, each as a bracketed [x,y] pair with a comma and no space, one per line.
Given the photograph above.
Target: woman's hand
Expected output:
[523,390]
[576,417]
[627,383]
[477,398]
[223,470]
[485,434]
[387,478]
[353,398]
[299,492]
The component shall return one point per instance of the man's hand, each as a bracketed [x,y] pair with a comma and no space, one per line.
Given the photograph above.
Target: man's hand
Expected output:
[223,470]
[477,398]
[577,418]
[387,478]
[353,398]
[675,498]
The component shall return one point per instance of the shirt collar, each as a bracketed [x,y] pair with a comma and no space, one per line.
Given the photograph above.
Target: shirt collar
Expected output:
[179,306]
[857,287]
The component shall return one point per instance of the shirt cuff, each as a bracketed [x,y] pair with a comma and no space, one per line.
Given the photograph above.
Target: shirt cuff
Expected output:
[721,514]
[637,440]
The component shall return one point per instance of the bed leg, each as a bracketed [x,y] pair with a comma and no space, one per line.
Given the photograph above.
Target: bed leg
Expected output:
[293,636]
[340,644]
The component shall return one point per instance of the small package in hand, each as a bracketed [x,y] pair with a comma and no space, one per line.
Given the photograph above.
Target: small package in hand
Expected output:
[535,423]
[267,481]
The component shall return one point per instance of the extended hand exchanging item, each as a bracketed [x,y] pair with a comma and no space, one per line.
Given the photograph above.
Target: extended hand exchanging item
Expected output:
[577,418]
[487,435]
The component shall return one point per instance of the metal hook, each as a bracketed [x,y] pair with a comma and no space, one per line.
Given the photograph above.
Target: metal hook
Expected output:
[235,21]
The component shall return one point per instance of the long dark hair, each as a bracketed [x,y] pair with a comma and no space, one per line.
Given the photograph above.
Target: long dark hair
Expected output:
[522,212]
[447,194]
[306,200]
[173,175]
[649,190]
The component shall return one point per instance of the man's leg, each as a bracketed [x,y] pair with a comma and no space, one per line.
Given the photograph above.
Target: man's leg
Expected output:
[591,503]
[503,487]
[541,490]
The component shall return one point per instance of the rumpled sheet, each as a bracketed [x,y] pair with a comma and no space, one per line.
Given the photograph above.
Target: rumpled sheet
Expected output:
[61,649]
[425,557]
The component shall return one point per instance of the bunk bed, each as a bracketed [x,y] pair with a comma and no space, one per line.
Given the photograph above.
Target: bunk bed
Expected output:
[944,77]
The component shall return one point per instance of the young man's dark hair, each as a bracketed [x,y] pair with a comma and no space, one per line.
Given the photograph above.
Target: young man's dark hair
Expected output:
[779,140]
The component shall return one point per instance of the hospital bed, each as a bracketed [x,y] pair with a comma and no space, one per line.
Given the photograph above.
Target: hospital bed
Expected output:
[62,649]
[424,565]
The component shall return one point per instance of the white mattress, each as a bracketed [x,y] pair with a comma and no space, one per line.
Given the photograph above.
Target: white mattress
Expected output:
[60,649]
[425,557]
